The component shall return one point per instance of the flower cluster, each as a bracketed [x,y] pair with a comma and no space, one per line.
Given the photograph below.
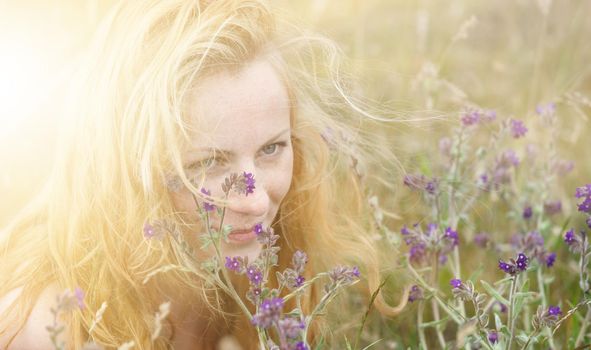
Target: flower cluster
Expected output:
[546,317]
[420,183]
[425,244]
[513,267]
[584,192]
[474,117]
[532,245]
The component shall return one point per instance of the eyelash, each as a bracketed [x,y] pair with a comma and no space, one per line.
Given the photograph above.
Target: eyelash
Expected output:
[215,161]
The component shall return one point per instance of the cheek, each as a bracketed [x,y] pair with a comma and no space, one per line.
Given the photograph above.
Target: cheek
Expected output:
[281,181]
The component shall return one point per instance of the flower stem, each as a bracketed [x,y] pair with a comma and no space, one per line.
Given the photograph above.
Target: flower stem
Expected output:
[422,341]
[434,305]
[510,312]
[583,328]
[542,288]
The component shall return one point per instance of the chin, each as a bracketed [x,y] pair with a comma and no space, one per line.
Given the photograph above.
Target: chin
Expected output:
[252,250]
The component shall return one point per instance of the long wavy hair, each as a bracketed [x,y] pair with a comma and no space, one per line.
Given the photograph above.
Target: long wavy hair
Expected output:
[123,135]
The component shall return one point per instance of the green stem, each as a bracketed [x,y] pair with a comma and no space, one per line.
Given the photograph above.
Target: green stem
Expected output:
[542,288]
[422,341]
[583,328]
[510,312]
[434,306]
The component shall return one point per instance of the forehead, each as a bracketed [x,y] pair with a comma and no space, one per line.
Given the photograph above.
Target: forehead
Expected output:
[229,105]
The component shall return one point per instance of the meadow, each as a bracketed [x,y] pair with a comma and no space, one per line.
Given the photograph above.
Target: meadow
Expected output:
[487,107]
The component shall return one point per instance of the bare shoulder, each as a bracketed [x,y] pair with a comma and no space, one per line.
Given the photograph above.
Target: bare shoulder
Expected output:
[34,334]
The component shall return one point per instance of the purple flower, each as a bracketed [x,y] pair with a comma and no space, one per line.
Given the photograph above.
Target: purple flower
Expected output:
[546,110]
[301,346]
[588,221]
[508,159]
[585,206]
[518,129]
[573,241]
[583,191]
[420,183]
[258,228]
[493,337]
[470,118]
[299,260]
[416,293]
[299,281]
[552,207]
[207,206]
[452,235]
[550,259]
[554,310]
[269,313]
[456,283]
[404,231]
[514,266]
[417,252]
[154,231]
[254,274]
[570,237]
[249,181]
[291,327]
[527,212]
[344,275]
[234,264]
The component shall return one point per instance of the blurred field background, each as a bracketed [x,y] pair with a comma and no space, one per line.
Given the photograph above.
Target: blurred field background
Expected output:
[414,60]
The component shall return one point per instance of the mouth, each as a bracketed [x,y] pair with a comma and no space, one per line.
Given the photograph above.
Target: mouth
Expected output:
[240,237]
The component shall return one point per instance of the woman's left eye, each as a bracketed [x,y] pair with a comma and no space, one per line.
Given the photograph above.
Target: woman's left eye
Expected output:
[270,149]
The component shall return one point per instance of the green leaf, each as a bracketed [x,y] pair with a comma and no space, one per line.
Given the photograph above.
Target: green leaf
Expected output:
[504,280]
[493,292]
[498,322]
[476,273]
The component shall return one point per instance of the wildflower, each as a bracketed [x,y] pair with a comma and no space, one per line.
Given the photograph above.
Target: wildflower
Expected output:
[207,206]
[269,313]
[583,191]
[452,235]
[470,118]
[552,207]
[344,274]
[234,264]
[299,281]
[291,327]
[254,295]
[154,231]
[416,293]
[588,221]
[573,241]
[527,212]
[518,129]
[514,266]
[258,228]
[254,274]
[550,259]
[249,182]
[481,239]
[299,260]
[417,253]
[546,317]
[546,111]
[509,158]
[301,346]
[493,337]
[420,183]
[456,283]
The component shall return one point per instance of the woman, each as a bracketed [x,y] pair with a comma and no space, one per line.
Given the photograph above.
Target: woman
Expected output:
[175,96]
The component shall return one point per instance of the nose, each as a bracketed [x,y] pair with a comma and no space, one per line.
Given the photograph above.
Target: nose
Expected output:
[254,204]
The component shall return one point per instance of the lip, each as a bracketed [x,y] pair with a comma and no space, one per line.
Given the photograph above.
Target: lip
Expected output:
[240,237]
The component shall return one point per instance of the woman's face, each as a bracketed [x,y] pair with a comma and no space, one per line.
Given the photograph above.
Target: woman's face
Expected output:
[244,123]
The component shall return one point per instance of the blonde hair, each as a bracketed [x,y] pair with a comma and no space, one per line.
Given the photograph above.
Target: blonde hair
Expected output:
[124,133]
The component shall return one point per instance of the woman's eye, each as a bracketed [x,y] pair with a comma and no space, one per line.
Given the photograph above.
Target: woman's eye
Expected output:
[270,149]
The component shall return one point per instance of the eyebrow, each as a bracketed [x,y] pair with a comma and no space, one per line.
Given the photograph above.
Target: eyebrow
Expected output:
[227,153]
